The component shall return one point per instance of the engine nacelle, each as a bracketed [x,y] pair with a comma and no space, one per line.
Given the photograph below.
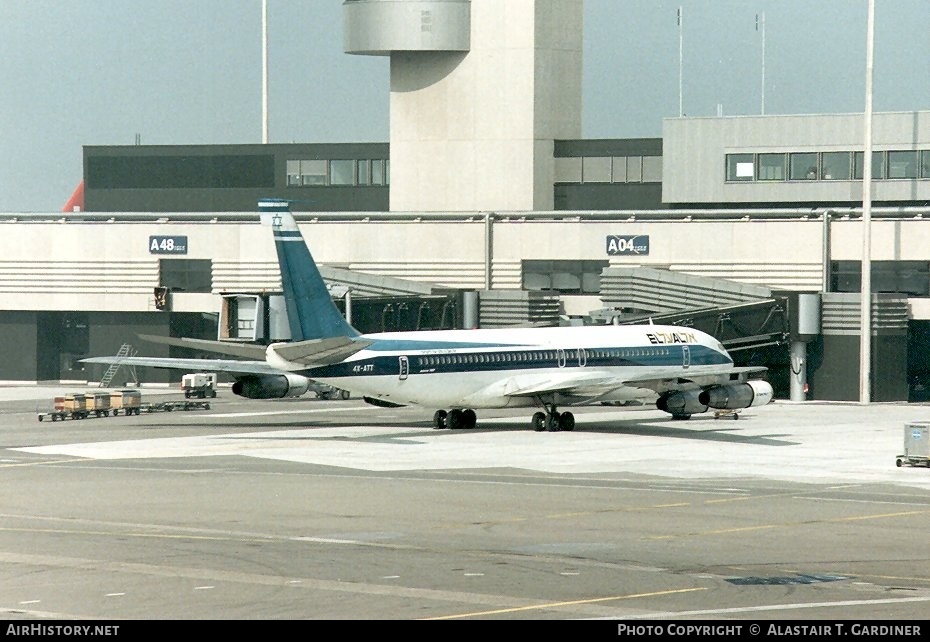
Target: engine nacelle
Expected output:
[681,403]
[737,395]
[271,386]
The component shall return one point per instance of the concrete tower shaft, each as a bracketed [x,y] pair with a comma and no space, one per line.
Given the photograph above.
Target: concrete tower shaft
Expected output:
[479,92]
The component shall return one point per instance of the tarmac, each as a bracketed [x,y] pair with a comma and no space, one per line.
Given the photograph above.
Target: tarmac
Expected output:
[808,442]
[306,508]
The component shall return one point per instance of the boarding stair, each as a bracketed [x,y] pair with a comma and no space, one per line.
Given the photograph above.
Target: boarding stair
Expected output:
[125,350]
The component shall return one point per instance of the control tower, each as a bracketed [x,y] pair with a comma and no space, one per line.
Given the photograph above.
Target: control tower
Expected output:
[480,89]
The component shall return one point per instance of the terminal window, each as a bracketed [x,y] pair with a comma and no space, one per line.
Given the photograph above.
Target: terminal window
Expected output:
[567,277]
[321,172]
[342,172]
[634,169]
[902,164]
[771,167]
[191,171]
[568,170]
[900,277]
[836,166]
[652,169]
[826,166]
[803,166]
[740,167]
[878,165]
[595,169]
[608,169]
[186,275]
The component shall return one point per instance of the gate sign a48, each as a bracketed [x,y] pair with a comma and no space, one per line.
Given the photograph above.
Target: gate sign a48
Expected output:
[167,245]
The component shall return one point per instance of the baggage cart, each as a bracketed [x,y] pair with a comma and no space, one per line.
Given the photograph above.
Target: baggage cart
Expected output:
[916,445]
[98,403]
[125,402]
[67,407]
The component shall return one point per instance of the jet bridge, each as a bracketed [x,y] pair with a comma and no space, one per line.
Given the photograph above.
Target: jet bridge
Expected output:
[740,328]
[755,334]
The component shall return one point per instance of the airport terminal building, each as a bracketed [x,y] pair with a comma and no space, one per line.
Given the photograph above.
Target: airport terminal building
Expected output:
[749,227]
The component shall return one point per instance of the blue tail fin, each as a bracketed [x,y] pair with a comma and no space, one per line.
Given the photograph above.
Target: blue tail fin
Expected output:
[311,312]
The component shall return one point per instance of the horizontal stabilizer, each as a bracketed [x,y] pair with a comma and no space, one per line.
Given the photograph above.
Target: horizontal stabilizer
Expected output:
[233,349]
[318,352]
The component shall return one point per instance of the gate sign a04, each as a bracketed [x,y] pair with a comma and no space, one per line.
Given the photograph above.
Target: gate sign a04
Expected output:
[624,245]
[167,245]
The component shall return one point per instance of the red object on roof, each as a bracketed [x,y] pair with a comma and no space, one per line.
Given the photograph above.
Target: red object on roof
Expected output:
[76,202]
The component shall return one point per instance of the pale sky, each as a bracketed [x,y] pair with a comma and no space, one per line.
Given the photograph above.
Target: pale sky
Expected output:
[99,72]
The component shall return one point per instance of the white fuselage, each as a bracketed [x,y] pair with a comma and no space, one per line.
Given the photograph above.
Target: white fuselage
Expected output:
[510,367]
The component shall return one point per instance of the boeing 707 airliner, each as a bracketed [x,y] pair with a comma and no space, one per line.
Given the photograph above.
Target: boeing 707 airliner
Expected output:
[456,372]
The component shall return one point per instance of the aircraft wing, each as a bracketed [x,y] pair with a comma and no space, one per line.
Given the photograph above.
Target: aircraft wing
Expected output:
[597,383]
[687,381]
[231,366]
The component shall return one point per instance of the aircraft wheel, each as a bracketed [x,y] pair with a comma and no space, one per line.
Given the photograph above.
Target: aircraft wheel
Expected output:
[552,425]
[439,419]
[469,418]
[455,419]
[539,421]
[567,422]
[344,394]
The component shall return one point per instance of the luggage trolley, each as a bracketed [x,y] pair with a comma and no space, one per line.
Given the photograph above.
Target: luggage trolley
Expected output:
[916,445]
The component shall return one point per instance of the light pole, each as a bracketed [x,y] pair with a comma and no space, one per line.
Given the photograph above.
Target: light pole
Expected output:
[865,307]
[762,111]
[264,71]
[680,65]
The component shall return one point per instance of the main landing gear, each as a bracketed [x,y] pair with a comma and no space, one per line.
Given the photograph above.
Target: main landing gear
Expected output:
[455,419]
[553,420]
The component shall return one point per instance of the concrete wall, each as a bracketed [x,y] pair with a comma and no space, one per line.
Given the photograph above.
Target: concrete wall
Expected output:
[108,267]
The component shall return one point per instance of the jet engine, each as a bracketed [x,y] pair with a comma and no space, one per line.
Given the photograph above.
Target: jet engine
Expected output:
[271,386]
[682,403]
[737,395]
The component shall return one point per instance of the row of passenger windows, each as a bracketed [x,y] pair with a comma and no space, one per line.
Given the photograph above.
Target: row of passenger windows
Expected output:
[609,169]
[826,166]
[545,355]
[321,172]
